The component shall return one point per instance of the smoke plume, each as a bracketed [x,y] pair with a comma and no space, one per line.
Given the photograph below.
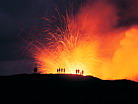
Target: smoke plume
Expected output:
[117,42]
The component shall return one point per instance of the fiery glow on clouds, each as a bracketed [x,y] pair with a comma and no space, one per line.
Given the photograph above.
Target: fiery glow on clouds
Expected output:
[90,41]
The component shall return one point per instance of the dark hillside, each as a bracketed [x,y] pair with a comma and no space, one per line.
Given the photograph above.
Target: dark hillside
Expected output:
[66,89]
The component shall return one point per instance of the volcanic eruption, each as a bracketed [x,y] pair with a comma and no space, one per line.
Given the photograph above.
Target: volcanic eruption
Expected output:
[90,40]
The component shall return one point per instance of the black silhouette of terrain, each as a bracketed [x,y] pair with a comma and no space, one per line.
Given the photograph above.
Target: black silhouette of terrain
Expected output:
[65,89]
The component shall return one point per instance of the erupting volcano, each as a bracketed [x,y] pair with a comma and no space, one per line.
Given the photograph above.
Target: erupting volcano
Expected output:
[90,40]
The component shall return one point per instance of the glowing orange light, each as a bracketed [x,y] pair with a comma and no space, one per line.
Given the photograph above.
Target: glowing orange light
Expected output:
[90,42]
[69,50]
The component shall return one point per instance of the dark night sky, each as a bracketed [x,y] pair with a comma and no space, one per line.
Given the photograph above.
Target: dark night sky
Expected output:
[17,17]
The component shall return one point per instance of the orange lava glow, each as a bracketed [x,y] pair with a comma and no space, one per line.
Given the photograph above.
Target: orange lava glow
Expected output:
[69,50]
[90,41]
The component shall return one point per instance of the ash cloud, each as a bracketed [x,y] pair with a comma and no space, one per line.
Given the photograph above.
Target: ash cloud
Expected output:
[127,11]
[117,22]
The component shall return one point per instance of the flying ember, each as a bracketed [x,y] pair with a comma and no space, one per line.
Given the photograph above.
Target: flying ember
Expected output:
[89,41]
[67,49]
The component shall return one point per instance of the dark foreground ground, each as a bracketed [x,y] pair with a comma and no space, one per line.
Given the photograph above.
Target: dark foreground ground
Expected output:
[65,89]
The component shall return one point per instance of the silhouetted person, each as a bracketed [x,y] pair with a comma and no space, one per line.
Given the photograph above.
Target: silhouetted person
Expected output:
[59,69]
[64,70]
[35,70]
[76,71]
[82,72]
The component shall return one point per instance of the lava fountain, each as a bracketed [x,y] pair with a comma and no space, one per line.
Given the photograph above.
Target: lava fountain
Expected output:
[89,41]
[66,48]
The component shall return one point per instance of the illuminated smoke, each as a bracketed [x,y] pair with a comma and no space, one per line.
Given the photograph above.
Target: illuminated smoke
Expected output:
[124,63]
[90,41]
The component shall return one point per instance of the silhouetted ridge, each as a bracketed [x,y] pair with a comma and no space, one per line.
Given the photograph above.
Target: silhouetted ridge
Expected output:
[66,89]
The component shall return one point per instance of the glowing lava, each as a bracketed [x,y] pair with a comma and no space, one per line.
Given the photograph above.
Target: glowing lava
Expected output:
[90,41]
[69,50]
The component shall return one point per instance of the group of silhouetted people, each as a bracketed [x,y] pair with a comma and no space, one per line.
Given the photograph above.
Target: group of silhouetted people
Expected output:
[61,70]
[78,72]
